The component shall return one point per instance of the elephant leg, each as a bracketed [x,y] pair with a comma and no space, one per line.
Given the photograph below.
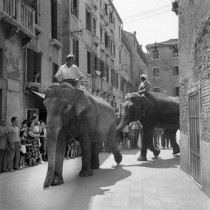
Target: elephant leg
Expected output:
[60,152]
[94,155]
[86,155]
[171,133]
[147,143]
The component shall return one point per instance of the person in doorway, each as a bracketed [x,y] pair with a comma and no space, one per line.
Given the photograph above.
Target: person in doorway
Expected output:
[42,140]
[69,72]
[14,138]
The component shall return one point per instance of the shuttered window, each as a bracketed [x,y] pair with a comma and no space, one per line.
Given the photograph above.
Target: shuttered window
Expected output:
[76,51]
[1,62]
[54,19]
[88,62]
[33,65]
[88,20]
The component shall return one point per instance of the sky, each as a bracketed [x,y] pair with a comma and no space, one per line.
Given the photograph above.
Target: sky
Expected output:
[152,20]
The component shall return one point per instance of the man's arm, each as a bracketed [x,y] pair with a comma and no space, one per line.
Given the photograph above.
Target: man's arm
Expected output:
[79,74]
[58,75]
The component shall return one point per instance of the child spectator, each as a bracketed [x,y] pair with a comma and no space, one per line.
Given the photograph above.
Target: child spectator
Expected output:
[71,148]
[23,137]
[42,140]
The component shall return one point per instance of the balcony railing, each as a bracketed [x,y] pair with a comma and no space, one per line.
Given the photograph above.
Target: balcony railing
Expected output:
[21,13]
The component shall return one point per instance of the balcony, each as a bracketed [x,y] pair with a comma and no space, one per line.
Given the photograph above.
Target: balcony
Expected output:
[18,17]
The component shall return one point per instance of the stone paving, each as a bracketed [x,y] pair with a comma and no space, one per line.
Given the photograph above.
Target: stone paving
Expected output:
[157,184]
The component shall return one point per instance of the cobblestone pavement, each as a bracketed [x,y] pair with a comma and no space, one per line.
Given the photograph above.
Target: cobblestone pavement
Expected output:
[157,184]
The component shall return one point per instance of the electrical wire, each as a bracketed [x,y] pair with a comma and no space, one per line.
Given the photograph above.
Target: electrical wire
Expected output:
[147,17]
[148,11]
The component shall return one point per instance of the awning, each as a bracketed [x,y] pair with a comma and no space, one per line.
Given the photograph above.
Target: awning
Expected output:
[42,95]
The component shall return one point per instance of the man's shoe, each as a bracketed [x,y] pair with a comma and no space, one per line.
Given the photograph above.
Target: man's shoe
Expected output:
[10,170]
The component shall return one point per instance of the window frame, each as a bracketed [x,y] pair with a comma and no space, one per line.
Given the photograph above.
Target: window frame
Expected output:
[153,74]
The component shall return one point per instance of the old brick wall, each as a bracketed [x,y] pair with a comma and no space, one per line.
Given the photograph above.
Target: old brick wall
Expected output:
[194,63]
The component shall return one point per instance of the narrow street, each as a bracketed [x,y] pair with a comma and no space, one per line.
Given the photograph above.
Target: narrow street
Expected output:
[157,184]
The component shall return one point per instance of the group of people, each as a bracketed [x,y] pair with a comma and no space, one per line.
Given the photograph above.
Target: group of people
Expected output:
[22,147]
[130,137]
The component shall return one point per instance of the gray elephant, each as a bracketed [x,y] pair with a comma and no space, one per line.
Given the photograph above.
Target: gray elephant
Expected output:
[153,110]
[73,113]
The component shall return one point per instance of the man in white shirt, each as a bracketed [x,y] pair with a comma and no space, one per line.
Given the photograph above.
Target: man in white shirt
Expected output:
[69,72]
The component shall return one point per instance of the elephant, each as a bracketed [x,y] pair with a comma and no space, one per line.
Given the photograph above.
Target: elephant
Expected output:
[152,110]
[73,113]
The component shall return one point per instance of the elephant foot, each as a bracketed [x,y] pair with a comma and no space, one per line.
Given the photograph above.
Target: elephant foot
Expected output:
[85,172]
[156,152]
[141,158]
[56,181]
[117,157]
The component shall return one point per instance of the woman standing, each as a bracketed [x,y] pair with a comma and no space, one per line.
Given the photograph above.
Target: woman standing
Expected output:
[32,150]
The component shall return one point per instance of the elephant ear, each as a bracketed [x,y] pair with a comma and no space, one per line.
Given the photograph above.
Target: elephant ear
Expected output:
[81,102]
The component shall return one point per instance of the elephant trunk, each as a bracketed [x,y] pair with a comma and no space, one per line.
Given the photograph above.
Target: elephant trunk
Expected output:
[51,140]
[124,121]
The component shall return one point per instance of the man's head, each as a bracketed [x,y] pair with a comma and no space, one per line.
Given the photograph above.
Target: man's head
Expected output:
[143,77]
[70,59]
[14,121]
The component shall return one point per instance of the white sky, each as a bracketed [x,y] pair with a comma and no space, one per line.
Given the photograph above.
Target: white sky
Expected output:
[153,26]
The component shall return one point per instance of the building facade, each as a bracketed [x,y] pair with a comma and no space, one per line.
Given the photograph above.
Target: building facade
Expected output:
[194,36]
[29,47]
[138,61]
[92,31]
[163,67]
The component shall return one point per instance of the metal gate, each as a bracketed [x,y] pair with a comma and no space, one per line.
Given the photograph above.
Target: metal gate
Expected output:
[194,136]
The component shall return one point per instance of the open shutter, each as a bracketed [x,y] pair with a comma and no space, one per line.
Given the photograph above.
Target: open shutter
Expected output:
[37,65]
[30,65]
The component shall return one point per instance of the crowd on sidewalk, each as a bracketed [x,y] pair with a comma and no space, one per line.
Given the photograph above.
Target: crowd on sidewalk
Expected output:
[26,146]
[22,147]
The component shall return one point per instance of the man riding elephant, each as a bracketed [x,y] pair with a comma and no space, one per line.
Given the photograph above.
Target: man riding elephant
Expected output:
[153,110]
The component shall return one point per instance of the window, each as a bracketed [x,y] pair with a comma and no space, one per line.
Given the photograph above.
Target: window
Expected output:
[106,9]
[74,9]
[120,57]
[33,66]
[54,71]
[175,71]
[102,68]
[107,74]
[88,20]
[121,83]
[174,51]
[88,62]
[94,26]
[106,40]
[176,91]
[114,47]
[157,90]
[155,54]
[1,100]
[54,19]
[96,63]
[1,62]
[156,72]
[76,51]
[101,35]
